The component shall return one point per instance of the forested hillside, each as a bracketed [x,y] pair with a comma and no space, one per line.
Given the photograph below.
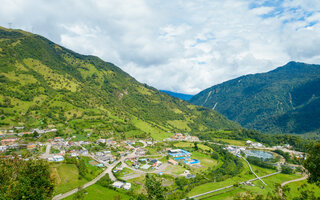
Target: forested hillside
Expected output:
[285,100]
[42,83]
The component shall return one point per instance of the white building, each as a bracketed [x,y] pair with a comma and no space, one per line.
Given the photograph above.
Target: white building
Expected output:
[56,158]
[127,186]
[3,148]
[118,184]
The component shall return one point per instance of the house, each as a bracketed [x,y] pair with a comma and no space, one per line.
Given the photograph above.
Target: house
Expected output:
[129,147]
[31,146]
[153,161]
[74,154]
[56,158]
[172,162]
[141,151]
[248,142]
[19,127]
[118,184]
[146,166]
[8,141]
[179,154]
[127,186]
[98,154]
[3,148]
[83,152]
[101,141]
[190,176]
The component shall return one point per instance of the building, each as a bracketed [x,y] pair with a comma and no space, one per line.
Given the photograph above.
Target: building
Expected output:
[9,141]
[146,166]
[56,158]
[192,162]
[118,184]
[127,186]
[179,154]
[101,141]
[3,148]
[172,162]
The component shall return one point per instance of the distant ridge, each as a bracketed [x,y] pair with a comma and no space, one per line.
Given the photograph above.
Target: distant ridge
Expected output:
[181,96]
[284,100]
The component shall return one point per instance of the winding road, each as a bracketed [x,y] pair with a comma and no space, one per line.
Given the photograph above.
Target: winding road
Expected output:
[106,171]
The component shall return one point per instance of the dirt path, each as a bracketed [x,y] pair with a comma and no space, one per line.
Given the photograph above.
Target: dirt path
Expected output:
[291,181]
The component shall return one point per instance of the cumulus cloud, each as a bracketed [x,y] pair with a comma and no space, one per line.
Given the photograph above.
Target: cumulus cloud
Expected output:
[183,46]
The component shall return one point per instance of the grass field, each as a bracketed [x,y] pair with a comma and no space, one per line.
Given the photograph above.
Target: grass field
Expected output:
[258,187]
[297,187]
[97,192]
[66,177]
[205,160]
[191,144]
[233,142]
[155,132]
[180,124]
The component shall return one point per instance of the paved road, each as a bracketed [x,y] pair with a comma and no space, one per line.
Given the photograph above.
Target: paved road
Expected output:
[253,171]
[107,171]
[46,155]
[230,186]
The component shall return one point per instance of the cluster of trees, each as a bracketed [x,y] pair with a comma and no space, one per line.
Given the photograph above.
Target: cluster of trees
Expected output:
[260,162]
[231,165]
[286,156]
[25,179]
[296,142]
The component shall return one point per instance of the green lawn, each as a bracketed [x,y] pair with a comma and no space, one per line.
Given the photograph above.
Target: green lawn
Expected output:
[233,142]
[175,169]
[205,160]
[66,177]
[296,188]
[123,172]
[97,192]
[155,132]
[191,144]
[244,175]
[180,124]
[257,189]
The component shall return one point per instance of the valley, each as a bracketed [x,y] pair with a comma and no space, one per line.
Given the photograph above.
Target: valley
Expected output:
[81,128]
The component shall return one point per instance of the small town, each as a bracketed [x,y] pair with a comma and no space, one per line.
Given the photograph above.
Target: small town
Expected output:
[127,160]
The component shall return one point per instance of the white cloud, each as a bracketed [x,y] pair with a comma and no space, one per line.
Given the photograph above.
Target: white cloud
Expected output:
[184,46]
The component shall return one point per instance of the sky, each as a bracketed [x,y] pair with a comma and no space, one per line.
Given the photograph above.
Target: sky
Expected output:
[183,45]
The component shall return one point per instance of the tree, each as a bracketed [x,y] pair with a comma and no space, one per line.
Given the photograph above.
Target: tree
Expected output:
[25,179]
[286,169]
[82,167]
[154,188]
[80,194]
[312,163]
[196,146]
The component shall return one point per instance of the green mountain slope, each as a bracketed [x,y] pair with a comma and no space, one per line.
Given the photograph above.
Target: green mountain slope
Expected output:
[285,100]
[43,83]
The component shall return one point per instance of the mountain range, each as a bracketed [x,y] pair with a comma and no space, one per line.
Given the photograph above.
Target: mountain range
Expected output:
[42,83]
[182,96]
[284,100]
